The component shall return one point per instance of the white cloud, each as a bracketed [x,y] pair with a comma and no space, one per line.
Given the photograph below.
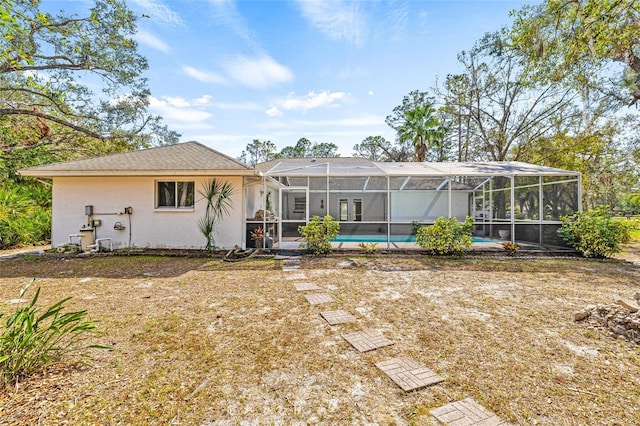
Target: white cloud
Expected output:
[257,73]
[337,19]
[177,109]
[160,12]
[240,106]
[176,102]
[152,41]
[273,111]
[311,100]
[226,13]
[202,100]
[370,93]
[397,20]
[203,76]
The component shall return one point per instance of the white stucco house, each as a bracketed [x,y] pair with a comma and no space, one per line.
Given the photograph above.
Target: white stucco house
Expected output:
[150,198]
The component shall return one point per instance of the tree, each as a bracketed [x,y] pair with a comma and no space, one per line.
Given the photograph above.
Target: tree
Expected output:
[415,120]
[305,148]
[578,41]
[324,150]
[48,64]
[598,150]
[503,113]
[258,152]
[301,149]
[374,148]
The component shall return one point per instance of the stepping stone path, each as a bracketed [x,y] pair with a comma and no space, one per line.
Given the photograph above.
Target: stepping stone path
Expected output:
[318,298]
[407,373]
[367,340]
[466,413]
[295,276]
[293,267]
[306,287]
[337,317]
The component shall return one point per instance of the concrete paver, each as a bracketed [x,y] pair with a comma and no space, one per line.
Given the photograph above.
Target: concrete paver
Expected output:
[318,298]
[296,276]
[408,373]
[466,413]
[306,286]
[337,317]
[367,340]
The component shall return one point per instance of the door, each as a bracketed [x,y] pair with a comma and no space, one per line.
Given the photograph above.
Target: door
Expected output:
[350,209]
[294,211]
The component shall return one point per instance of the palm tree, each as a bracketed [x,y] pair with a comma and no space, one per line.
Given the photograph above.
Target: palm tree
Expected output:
[218,197]
[423,129]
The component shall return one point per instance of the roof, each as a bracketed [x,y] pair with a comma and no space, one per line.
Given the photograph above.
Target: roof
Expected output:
[190,158]
[363,167]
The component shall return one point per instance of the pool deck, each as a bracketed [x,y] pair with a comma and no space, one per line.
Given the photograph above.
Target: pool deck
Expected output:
[485,246]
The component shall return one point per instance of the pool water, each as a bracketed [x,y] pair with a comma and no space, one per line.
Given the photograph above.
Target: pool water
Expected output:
[394,239]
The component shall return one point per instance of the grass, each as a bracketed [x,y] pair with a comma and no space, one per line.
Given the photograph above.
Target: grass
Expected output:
[198,340]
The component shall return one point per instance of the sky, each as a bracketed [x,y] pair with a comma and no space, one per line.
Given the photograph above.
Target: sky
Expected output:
[226,72]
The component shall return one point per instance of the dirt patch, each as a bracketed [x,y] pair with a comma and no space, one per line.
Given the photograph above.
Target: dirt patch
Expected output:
[201,341]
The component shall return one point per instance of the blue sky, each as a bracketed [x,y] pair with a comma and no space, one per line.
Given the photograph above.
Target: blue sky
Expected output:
[225,72]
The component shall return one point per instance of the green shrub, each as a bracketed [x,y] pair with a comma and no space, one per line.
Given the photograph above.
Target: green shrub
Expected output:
[368,248]
[596,232]
[25,216]
[34,337]
[446,236]
[318,234]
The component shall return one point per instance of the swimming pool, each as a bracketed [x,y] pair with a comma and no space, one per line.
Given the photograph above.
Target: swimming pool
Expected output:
[381,238]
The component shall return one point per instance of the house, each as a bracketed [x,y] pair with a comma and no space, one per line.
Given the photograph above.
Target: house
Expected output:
[150,198]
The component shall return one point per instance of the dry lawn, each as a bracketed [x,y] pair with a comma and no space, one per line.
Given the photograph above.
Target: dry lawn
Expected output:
[199,341]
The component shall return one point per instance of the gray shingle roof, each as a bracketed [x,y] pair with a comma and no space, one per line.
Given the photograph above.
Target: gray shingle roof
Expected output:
[185,158]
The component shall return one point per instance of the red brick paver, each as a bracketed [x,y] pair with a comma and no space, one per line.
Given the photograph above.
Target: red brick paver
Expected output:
[466,413]
[408,373]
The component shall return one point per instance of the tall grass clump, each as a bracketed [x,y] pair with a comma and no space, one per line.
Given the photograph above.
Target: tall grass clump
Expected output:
[446,236]
[596,232]
[34,337]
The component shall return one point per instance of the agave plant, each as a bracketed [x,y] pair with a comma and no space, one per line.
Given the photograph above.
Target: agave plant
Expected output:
[218,197]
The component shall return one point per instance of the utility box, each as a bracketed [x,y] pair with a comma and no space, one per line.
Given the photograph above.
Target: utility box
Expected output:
[87,238]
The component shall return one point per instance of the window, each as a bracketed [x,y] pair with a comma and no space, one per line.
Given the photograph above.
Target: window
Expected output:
[299,204]
[177,195]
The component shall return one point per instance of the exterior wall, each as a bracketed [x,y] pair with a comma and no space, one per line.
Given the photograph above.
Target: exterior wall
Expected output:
[149,227]
[427,206]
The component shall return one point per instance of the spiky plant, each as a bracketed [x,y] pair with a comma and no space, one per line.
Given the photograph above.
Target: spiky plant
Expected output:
[218,198]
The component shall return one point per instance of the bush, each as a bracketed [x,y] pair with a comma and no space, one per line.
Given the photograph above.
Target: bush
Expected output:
[32,339]
[25,218]
[446,236]
[318,234]
[368,248]
[596,232]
